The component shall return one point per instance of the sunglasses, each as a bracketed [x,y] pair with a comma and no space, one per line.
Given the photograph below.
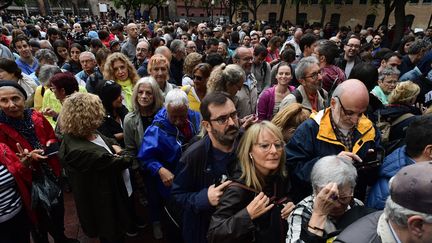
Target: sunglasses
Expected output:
[199,78]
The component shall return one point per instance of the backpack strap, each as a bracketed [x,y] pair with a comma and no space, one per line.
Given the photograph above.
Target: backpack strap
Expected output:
[298,96]
[401,118]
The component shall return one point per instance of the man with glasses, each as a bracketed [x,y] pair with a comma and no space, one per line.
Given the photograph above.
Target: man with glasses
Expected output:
[310,93]
[129,46]
[248,94]
[341,130]
[140,61]
[190,47]
[198,185]
[350,57]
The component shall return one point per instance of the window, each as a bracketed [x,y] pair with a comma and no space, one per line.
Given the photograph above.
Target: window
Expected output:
[272,18]
[314,1]
[264,1]
[427,1]
[363,1]
[414,1]
[337,1]
[348,1]
[304,2]
[375,1]
[334,19]
[370,20]
[273,1]
[301,19]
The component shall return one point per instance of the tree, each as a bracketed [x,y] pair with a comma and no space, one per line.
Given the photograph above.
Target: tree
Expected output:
[282,10]
[389,6]
[187,5]
[127,5]
[252,6]
[400,22]
[231,8]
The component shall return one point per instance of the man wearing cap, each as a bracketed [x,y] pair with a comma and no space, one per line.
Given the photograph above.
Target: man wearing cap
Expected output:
[407,216]
[418,149]
[217,32]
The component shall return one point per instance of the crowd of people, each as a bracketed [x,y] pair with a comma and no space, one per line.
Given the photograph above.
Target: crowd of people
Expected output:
[222,133]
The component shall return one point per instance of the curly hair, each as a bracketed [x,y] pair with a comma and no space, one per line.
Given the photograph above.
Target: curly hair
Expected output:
[404,93]
[190,62]
[108,71]
[81,114]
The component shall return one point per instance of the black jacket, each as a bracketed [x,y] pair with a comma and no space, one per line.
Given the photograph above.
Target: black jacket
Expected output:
[231,222]
[363,230]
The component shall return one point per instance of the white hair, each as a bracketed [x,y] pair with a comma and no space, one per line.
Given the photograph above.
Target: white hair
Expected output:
[176,97]
[333,169]
[399,215]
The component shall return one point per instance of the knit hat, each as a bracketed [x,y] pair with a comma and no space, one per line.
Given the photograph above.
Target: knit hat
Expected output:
[411,187]
[93,34]
[109,92]
[6,83]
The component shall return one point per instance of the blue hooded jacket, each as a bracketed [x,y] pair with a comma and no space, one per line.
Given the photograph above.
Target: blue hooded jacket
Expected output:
[162,146]
[391,165]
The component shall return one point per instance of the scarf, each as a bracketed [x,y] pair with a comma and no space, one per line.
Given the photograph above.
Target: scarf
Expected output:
[127,88]
[24,126]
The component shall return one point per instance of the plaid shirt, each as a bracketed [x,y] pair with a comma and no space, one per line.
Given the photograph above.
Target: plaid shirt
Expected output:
[299,219]
[346,140]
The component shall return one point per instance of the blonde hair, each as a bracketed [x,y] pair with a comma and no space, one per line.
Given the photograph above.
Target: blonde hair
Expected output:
[404,93]
[108,71]
[291,116]
[249,174]
[190,62]
[156,59]
[224,76]
[81,114]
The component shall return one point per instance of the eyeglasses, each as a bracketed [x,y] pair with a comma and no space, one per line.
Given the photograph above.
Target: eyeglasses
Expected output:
[343,199]
[353,46]
[191,47]
[348,113]
[222,120]
[247,59]
[314,75]
[109,83]
[267,146]
[141,50]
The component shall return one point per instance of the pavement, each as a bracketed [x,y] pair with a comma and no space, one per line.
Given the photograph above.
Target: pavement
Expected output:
[73,228]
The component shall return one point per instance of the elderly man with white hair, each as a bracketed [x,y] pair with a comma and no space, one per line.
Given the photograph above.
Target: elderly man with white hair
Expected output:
[163,144]
[407,215]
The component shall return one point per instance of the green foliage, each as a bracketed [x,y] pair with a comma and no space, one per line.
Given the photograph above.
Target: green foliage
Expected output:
[19,2]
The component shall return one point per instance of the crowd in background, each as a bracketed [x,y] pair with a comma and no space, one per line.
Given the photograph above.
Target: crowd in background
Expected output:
[223,133]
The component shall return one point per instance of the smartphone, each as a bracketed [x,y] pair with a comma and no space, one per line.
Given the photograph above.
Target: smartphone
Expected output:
[370,156]
[52,149]
[221,180]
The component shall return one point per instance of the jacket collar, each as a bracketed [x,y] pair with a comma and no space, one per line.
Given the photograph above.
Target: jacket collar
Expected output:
[364,128]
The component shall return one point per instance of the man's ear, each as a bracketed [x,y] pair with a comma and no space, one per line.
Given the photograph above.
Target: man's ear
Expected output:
[415,226]
[333,103]
[427,151]
[302,82]
[206,125]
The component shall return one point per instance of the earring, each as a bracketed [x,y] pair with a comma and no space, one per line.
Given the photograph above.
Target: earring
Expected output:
[250,156]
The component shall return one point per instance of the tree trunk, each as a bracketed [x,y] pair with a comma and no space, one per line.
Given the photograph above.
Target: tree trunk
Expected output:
[282,11]
[323,12]
[75,7]
[388,9]
[399,15]
[297,12]
[42,7]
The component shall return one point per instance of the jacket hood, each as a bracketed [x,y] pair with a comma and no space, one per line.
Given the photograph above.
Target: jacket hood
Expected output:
[332,72]
[394,162]
[161,118]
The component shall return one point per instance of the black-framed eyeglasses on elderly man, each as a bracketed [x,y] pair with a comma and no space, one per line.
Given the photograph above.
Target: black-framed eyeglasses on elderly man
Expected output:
[348,113]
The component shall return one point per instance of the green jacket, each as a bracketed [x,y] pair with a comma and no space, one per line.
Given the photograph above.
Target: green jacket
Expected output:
[96,179]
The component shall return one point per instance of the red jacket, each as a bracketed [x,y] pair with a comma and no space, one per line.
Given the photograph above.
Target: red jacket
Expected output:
[10,137]
[21,174]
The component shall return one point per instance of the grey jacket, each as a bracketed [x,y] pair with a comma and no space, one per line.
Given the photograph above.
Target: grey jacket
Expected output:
[290,99]
[247,98]
[363,230]
[133,135]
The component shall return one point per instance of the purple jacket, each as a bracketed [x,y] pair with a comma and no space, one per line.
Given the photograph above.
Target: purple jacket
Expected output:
[329,75]
[266,103]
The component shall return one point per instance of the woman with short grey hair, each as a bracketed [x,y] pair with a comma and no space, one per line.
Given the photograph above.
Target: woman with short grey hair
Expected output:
[316,217]
[226,78]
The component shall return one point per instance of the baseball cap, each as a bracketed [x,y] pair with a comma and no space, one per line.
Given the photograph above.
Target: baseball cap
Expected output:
[411,187]
[216,29]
